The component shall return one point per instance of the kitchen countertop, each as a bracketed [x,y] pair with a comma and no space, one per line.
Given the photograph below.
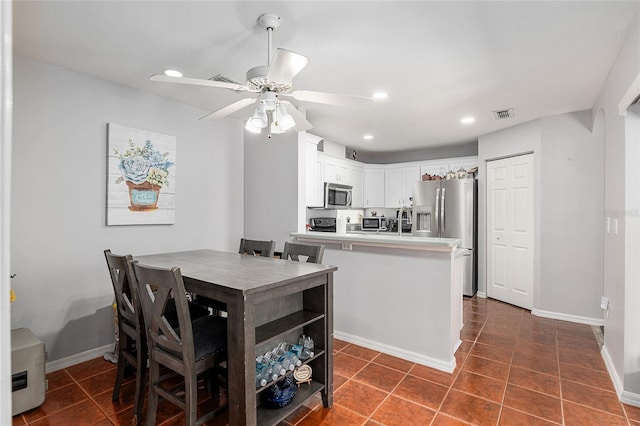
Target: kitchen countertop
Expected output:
[381,239]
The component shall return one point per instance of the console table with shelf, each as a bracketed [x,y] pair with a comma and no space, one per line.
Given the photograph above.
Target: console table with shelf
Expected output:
[268,301]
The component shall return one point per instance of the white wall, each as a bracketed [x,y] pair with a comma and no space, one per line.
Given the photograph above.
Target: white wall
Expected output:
[568,211]
[632,253]
[624,75]
[572,188]
[271,187]
[58,227]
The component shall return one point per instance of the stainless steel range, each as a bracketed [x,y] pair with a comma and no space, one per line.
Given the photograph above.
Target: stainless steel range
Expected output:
[323,224]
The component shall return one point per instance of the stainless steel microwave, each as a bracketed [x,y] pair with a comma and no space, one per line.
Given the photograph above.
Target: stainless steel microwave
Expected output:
[373,224]
[337,196]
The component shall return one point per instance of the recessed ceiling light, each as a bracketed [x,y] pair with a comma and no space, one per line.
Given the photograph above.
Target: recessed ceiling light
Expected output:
[467,120]
[380,95]
[172,73]
[367,137]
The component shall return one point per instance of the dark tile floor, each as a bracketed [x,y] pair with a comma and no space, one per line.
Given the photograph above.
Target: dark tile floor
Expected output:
[513,369]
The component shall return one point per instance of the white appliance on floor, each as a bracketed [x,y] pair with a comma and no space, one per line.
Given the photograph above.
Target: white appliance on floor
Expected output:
[28,384]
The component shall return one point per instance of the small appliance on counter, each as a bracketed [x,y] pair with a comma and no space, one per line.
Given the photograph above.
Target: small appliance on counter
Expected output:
[373,224]
[323,224]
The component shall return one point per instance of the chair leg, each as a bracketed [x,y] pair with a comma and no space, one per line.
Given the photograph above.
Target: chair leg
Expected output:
[121,364]
[191,399]
[152,405]
[141,375]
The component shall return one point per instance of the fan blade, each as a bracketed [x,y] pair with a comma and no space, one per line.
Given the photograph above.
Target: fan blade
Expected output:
[330,98]
[285,65]
[229,109]
[197,82]
[302,124]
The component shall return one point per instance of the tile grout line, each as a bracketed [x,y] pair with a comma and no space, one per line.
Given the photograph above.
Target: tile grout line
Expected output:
[453,379]
[506,384]
[390,392]
[87,393]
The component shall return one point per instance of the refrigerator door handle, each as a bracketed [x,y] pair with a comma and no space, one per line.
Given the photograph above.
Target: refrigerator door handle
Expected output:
[437,212]
[442,213]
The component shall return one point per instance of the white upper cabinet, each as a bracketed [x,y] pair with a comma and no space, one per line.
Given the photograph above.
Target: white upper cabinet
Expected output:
[344,172]
[393,187]
[356,179]
[373,186]
[314,170]
[398,185]
[336,171]
[409,176]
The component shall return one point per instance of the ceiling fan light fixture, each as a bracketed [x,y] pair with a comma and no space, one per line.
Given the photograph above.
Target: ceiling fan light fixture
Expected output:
[251,128]
[284,119]
[259,118]
[277,129]
[172,73]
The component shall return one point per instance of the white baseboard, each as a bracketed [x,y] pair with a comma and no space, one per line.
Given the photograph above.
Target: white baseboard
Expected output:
[630,398]
[624,396]
[481,294]
[567,317]
[447,367]
[613,374]
[68,361]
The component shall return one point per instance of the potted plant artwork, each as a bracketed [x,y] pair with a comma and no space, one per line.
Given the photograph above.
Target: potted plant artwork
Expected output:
[145,170]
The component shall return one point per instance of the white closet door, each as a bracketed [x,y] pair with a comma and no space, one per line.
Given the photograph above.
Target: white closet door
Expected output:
[510,230]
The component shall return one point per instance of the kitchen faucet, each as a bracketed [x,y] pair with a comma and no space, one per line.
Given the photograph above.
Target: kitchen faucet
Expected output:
[402,210]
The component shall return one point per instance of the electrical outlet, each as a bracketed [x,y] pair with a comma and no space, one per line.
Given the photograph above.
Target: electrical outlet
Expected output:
[604,302]
[347,246]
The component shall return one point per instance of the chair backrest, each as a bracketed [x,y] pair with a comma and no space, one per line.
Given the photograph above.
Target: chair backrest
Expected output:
[155,287]
[126,294]
[257,248]
[293,251]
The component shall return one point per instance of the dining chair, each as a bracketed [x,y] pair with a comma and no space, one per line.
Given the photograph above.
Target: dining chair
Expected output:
[293,251]
[132,344]
[189,349]
[257,247]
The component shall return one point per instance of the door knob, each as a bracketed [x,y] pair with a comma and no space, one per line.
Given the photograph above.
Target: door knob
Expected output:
[498,237]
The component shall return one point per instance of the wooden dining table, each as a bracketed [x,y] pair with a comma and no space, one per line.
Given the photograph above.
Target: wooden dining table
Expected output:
[267,301]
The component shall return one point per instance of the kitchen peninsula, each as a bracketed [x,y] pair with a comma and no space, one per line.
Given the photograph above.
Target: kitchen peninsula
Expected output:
[401,295]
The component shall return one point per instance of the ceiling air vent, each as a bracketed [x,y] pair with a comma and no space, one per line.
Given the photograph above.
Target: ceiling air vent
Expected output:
[504,113]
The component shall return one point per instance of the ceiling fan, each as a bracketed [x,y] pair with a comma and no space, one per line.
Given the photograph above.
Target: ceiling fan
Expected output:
[268,85]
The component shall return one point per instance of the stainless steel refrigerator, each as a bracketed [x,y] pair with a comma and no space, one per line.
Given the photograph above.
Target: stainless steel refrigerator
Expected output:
[448,209]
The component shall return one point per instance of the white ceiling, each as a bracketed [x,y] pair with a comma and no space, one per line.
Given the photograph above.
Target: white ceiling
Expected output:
[439,61]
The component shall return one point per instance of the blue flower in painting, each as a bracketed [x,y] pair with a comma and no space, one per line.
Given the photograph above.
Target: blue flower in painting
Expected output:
[143,163]
[135,169]
[159,161]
